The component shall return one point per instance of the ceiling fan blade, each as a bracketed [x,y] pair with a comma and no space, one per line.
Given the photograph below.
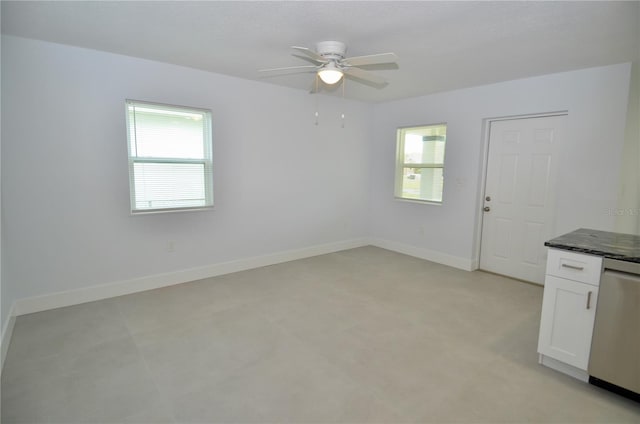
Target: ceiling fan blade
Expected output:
[288,68]
[372,59]
[313,55]
[365,75]
[306,59]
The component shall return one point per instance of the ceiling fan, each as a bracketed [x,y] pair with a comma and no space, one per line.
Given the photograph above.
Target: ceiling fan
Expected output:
[331,64]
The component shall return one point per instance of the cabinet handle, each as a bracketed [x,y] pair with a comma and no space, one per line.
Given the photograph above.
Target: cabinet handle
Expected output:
[589,299]
[579,268]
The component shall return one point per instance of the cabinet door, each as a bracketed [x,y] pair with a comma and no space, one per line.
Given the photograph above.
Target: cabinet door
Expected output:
[566,326]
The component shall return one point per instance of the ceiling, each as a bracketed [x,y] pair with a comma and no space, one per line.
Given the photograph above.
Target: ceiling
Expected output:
[441,45]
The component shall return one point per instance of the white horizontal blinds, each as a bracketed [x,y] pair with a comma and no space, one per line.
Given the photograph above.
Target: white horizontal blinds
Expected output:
[170,157]
[169,185]
[163,132]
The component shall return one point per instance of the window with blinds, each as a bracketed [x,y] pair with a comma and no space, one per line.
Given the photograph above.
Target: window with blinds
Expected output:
[420,163]
[170,157]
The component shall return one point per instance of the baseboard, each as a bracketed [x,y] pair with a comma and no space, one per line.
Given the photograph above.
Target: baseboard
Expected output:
[429,255]
[7,332]
[104,291]
[475,264]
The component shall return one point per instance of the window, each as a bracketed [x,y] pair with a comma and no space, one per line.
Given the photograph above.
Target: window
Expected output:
[420,163]
[170,157]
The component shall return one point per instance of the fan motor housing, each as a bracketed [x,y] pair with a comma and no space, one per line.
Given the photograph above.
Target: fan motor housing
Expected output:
[331,49]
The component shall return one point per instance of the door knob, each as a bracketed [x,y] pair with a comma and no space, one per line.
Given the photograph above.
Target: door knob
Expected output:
[487,209]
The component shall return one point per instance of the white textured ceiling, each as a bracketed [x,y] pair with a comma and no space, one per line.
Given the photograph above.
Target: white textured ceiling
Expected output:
[440,45]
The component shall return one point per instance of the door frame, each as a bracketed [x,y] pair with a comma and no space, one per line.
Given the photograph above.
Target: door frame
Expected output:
[484,162]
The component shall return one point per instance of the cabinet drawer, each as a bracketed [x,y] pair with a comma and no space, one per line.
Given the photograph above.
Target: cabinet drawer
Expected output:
[574,266]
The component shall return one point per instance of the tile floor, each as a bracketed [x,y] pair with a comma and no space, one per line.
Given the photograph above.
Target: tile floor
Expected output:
[363,335]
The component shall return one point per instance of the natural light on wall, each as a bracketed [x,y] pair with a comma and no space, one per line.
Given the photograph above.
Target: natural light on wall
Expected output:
[170,157]
[420,163]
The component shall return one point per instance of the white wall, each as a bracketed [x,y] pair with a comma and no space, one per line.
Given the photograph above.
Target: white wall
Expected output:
[281,182]
[596,101]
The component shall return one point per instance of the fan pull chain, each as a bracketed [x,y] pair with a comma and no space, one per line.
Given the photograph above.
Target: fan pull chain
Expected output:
[316,96]
[342,116]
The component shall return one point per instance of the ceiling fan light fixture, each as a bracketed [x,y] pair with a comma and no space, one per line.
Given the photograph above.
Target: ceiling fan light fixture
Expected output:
[330,74]
[331,65]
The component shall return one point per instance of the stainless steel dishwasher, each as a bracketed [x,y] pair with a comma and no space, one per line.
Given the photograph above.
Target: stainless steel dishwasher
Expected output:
[614,363]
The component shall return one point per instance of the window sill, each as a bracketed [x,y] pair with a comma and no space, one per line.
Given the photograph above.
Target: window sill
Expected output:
[141,212]
[418,201]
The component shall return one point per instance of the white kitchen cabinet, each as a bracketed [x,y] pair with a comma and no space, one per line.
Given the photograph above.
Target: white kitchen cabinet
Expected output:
[568,311]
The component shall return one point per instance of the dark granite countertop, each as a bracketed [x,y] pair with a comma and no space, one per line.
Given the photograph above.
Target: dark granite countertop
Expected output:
[624,247]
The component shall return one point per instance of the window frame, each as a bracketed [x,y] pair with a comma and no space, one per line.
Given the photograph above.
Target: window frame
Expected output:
[401,165]
[206,161]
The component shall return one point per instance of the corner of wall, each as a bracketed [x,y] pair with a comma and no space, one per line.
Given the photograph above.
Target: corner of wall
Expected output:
[5,339]
[6,321]
[627,213]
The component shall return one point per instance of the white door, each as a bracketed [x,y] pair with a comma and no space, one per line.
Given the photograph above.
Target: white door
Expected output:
[519,198]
